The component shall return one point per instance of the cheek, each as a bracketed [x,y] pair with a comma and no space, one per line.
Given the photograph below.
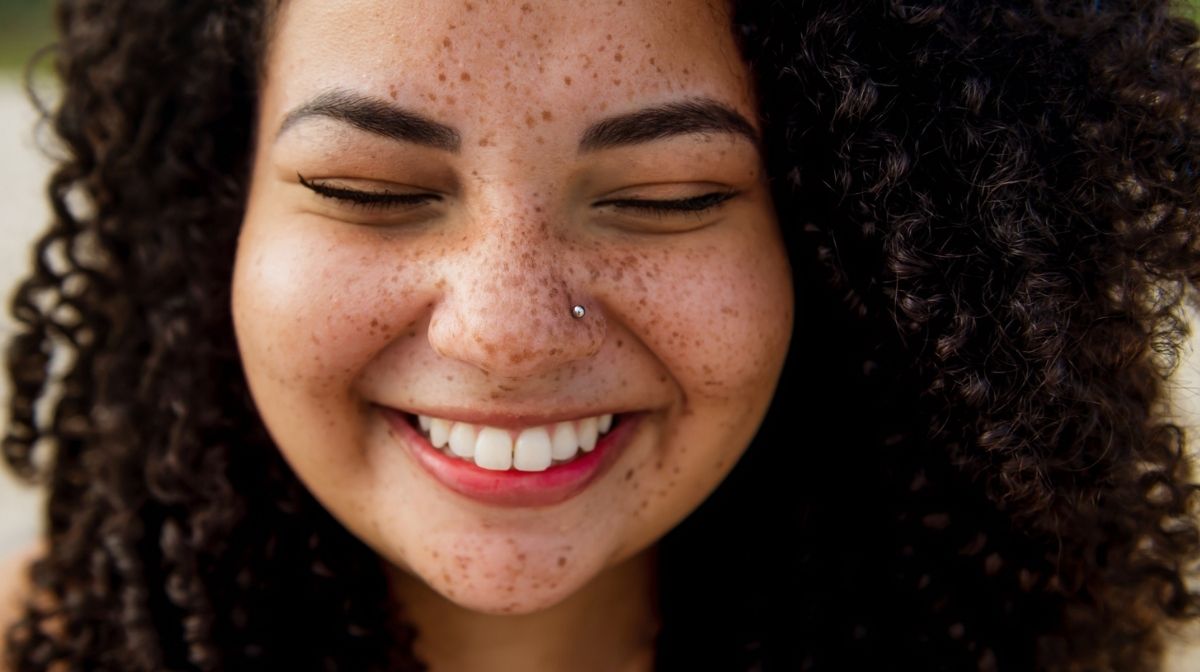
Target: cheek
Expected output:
[311,308]
[719,316]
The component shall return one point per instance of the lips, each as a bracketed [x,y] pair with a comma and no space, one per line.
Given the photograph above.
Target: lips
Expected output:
[513,487]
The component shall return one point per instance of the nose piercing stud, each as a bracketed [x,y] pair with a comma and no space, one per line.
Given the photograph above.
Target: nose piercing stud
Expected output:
[577,312]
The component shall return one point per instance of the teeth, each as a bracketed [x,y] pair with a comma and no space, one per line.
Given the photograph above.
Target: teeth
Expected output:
[587,434]
[462,440]
[439,432]
[564,445]
[493,449]
[531,449]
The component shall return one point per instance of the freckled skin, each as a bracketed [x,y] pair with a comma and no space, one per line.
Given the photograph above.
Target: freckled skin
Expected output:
[466,303]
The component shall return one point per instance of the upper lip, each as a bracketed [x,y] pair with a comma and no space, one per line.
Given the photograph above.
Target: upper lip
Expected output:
[506,419]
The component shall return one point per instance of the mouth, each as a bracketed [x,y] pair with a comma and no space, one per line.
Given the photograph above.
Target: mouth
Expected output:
[529,449]
[536,465]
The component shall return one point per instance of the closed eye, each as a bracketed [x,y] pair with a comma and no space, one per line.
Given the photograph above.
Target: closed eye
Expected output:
[367,200]
[694,204]
[378,200]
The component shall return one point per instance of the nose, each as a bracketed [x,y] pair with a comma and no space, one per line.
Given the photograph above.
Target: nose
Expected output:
[508,306]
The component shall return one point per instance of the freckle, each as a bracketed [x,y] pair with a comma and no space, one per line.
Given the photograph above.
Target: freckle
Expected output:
[562,562]
[441,76]
[465,76]
[446,42]
[618,57]
[629,474]
[470,7]
[483,142]
[529,120]
[392,91]
[567,81]
[526,8]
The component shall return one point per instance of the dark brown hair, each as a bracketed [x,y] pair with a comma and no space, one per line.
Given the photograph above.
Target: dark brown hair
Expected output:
[992,210]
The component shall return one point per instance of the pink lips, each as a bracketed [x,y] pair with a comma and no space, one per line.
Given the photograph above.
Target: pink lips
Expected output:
[514,488]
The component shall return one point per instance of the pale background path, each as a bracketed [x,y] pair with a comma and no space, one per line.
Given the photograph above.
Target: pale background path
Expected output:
[23,213]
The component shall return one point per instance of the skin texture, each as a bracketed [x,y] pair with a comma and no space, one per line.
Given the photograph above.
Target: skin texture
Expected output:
[463,304]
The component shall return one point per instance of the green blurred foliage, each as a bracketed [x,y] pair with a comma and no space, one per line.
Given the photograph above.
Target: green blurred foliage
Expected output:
[25,27]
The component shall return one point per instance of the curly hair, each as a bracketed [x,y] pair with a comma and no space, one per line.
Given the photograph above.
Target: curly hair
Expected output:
[992,212]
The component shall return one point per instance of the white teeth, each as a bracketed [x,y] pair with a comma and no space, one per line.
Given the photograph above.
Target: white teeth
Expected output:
[439,432]
[462,440]
[564,445]
[532,450]
[493,449]
[587,434]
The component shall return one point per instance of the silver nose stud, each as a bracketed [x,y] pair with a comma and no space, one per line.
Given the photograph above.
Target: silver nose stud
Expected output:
[577,312]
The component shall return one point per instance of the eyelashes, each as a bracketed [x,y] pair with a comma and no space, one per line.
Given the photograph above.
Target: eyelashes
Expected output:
[695,204]
[367,200]
[382,200]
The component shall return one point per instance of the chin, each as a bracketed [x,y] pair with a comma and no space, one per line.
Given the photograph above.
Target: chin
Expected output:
[503,592]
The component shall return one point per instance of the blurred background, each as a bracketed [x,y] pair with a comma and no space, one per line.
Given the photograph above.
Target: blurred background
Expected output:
[25,27]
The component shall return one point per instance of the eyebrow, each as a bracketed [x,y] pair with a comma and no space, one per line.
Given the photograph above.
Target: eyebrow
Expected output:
[686,117]
[375,116]
[695,115]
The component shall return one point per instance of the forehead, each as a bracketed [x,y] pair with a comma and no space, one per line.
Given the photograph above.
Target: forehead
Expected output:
[476,60]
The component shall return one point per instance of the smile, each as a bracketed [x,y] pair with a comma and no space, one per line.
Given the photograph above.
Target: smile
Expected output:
[530,449]
[535,465]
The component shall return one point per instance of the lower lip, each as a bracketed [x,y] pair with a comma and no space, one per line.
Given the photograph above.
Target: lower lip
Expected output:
[515,488]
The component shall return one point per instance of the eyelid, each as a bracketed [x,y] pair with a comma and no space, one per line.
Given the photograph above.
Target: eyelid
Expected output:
[664,207]
[367,199]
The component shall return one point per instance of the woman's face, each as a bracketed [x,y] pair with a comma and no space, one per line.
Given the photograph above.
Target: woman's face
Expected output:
[436,185]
